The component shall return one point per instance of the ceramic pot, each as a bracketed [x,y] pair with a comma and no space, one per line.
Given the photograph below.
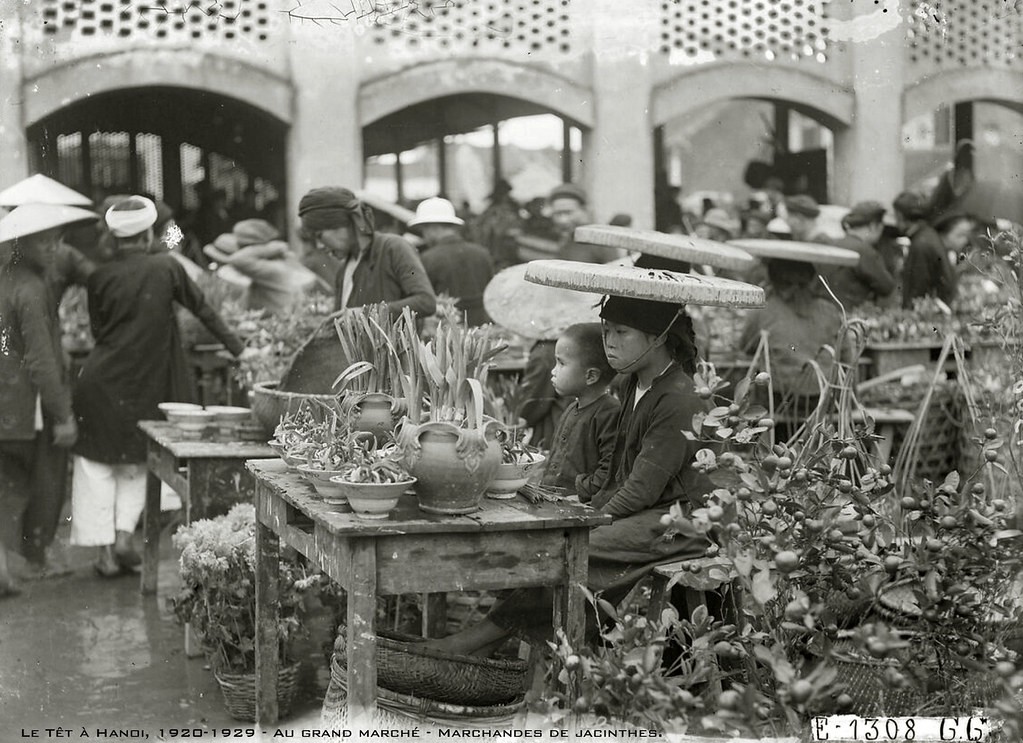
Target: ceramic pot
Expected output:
[374,412]
[331,493]
[453,465]
[511,476]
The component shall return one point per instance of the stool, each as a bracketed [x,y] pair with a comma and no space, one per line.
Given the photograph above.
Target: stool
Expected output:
[697,577]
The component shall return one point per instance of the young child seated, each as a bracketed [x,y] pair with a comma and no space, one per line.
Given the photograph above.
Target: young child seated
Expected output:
[584,438]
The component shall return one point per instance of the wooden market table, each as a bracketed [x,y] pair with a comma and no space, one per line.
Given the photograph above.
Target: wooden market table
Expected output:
[200,471]
[506,544]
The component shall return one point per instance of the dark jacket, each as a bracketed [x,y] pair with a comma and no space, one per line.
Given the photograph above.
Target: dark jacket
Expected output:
[138,360]
[796,337]
[389,271]
[70,268]
[462,270]
[652,461]
[927,271]
[31,362]
[869,281]
[582,445]
[541,406]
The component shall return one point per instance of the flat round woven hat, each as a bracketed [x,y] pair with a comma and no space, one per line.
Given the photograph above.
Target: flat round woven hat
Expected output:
[674,247]
[534,311]
[797,251]
[645,283]
[38,189]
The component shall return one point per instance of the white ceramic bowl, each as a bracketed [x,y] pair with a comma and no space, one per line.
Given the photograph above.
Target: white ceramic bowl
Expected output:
[230,414]
[373,500]
[511,476]
[170,408]
[191,420]
[321,480]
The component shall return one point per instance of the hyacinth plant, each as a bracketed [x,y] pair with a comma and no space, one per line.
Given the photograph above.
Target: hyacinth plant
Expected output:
[218,593]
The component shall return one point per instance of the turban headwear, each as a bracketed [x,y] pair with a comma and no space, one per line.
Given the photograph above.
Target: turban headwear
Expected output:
[646,315]
[331,207]
[131,217]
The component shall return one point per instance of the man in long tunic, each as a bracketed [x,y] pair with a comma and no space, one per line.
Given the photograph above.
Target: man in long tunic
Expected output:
[135,365]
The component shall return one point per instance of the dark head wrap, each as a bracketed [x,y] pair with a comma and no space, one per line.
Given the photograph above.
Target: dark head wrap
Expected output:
[656,318]
[331,207]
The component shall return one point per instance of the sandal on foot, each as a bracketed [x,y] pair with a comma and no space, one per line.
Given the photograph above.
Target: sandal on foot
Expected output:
[127,560]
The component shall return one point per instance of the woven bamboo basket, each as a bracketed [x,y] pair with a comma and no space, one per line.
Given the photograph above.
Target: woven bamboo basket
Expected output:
[239,692]
[950,688]
[395,709]
[269,404]
[405,667]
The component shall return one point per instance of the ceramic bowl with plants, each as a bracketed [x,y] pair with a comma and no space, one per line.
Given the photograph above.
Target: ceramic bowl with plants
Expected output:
[518,463]
[374,480]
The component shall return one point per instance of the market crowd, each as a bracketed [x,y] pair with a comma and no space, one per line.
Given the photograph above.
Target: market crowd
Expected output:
[615,445]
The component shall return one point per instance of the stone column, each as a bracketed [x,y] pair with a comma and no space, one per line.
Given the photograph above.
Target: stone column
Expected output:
[13,143]
[325,139]
[868,155]
[619,152]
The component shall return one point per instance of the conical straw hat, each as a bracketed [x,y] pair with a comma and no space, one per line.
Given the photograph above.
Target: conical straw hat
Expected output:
[29,219]
[797,251]
[534,311]
[645,283]
[674,247]
[38,189]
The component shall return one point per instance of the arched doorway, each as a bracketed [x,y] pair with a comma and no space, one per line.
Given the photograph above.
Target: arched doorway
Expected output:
[202,153]
[461,145]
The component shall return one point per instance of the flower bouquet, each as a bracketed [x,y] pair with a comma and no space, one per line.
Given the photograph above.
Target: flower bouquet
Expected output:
[218,598]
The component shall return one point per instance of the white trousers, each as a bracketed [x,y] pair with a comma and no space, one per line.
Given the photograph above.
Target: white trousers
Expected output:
[105,499]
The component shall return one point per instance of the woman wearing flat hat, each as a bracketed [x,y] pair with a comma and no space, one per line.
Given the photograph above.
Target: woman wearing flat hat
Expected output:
[137,363]
[652,342]
[376,267]
[35,397]
[800,323]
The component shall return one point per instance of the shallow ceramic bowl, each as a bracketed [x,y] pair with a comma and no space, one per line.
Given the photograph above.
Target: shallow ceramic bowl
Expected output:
[373,500]
[191,420]
[511,476]
[171,408]
[330,491]
[281,451]
[230,414]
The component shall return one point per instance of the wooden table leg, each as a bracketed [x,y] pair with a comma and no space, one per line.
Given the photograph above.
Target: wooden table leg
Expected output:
[151,534]
[569,602]
[361,644]
[435,615]
[268,611]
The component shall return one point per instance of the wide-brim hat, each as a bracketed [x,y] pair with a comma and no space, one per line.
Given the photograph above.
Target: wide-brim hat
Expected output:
[435,211]
[643,283]
[39,189]
[686,248]
[790,250]
[534,311]
[28,219]
[222,248]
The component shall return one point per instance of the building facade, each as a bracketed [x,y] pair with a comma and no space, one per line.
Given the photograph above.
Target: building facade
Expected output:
[300,92]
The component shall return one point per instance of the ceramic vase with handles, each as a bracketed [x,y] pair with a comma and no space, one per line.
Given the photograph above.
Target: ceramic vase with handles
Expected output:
[453,464]
[373,412]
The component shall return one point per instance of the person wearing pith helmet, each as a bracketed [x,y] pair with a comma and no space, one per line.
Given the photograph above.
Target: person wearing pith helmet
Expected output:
[869,280]
[456,267]
[35,395]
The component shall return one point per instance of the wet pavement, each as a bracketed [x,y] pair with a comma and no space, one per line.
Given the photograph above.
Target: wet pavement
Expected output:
[84,651]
